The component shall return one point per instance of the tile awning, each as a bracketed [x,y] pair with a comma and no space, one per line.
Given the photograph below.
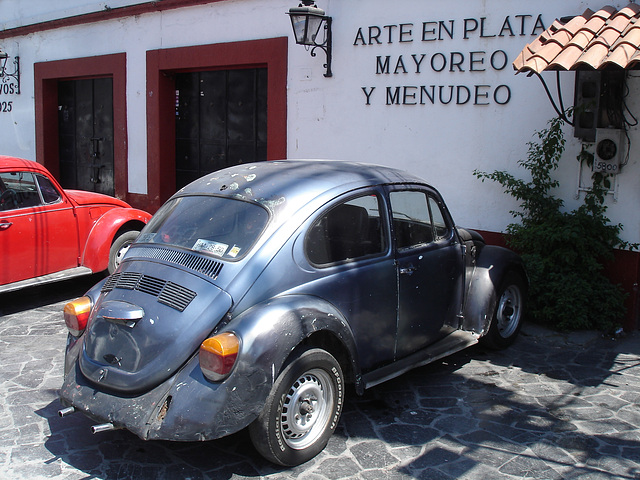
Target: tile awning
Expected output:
[593,40]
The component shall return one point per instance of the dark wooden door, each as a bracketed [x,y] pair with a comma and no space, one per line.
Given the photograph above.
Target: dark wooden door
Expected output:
[221,120]
[85,130]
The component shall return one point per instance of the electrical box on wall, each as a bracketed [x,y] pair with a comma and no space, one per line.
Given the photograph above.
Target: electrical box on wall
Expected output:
[598,102]
[609,150]
[587,104]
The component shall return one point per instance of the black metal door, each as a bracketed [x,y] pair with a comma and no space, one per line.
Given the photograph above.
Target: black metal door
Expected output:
[85,130]
[221,120]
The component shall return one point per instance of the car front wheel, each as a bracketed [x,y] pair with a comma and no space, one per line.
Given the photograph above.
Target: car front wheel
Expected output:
[302,410]
[508,313]
[119,248]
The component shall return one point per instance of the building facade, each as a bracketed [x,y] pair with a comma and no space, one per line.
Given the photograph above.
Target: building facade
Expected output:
[135,98]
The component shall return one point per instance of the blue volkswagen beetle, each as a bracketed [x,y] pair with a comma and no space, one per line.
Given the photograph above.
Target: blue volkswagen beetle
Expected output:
[256,293]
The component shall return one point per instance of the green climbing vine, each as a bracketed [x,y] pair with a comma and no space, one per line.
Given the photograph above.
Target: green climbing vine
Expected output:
[563,251]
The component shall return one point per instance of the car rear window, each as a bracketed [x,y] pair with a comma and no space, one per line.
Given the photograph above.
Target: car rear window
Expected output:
[221,227]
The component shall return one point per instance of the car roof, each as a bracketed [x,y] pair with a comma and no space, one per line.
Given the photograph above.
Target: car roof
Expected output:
[13,164]
[295,181]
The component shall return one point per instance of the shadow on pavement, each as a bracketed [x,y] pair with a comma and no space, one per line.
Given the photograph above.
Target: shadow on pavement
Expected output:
[533,410]
[42,295]
[120,454]
[539,409]
[476,411]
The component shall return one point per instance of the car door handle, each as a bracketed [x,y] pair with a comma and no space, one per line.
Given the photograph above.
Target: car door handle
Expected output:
[408,270]
[4,225]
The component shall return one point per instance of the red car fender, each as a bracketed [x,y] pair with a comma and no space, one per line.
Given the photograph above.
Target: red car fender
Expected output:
[95,254]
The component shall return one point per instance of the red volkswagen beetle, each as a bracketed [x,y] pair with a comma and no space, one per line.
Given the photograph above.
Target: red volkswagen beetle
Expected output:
[49,234]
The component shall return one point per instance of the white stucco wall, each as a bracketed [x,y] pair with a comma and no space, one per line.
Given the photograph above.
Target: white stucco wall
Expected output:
[329,117]
[18,13]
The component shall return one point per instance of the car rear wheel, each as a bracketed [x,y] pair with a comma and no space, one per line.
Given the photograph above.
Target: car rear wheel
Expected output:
[302,410]
[119,248]
[508,313]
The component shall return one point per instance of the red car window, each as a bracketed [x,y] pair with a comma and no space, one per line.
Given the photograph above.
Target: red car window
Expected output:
[20,191]
[49,193]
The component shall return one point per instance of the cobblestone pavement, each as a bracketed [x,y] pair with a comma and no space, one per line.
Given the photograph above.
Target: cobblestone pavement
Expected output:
[550,407]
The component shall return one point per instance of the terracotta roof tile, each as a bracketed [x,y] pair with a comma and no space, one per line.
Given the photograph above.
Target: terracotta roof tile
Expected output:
[575,24]
[581,39]
[592,40]
[562,36]
[622,55]
[593,56]
[595,24]
[567,58]
[537,64]
[619,23]
[607,36]
[630,10]
[631,36]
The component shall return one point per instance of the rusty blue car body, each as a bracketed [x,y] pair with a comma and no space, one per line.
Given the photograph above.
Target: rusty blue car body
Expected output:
[323,272]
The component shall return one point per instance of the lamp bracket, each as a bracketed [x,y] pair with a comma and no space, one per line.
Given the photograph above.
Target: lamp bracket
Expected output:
[325,46]
[7,77]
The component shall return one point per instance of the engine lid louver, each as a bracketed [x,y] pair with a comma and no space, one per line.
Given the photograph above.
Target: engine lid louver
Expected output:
[168,293]
[198,263]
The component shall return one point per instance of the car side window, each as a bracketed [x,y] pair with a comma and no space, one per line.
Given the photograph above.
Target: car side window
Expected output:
[18,190]
[417,219]
[440,228]
[348,231]
[49,192]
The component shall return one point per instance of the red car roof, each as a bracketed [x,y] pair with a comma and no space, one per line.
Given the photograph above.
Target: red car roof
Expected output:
[12,163]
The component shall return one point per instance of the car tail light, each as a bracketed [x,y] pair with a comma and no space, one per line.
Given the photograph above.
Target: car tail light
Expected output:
[218,355]
[76,314]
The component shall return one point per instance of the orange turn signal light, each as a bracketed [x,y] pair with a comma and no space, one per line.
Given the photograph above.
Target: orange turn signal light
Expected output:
[76,315]
[218,354]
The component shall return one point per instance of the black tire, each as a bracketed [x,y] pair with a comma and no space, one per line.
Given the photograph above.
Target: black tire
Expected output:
[302,410]
[119,247]
[508,314]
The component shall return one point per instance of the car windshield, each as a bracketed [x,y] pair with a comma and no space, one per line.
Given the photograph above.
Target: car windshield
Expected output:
[218,226]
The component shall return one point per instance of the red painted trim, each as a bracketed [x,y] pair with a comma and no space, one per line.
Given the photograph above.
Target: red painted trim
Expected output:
[47,75]
[161,64]
[625,271]
[103,15]
[493,238]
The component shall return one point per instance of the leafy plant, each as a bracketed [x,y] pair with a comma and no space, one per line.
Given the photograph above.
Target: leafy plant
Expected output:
[563,251]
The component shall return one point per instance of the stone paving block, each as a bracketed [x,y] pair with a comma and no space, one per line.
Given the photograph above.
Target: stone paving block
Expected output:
[372,455]
[385,475]
[551,406]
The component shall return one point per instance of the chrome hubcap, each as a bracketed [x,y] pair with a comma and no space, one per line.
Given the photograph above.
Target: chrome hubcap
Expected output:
[307,409]
[509,311]
[121,253]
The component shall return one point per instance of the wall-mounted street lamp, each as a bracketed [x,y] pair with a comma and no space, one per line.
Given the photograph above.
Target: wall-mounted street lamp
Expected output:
[307,20]
[5,76]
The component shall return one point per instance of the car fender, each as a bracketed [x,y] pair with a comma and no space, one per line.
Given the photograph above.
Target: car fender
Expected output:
[492,264]
[269,332]
[95,254]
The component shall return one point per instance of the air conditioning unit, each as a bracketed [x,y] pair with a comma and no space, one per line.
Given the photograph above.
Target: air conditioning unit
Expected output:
[609,150]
